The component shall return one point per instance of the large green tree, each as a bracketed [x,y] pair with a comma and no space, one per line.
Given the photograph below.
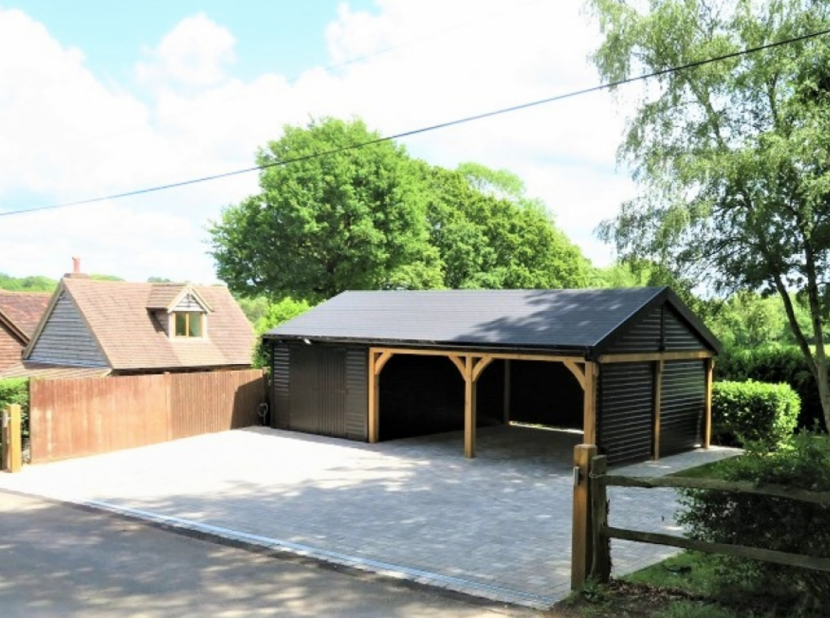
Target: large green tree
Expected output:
[490,235]
[733,157]
[352,219]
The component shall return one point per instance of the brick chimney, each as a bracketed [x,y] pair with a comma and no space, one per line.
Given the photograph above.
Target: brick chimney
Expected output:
[76,270]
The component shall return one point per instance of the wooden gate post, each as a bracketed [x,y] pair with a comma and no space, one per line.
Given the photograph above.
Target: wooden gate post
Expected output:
[601,561]
[581,535]
[12,429]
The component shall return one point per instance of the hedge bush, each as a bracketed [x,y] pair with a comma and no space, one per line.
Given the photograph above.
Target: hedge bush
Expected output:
[16,390]
[744,412]
[775,364]
[769,522]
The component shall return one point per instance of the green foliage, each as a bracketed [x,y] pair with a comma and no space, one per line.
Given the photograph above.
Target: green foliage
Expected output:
[769,522]
[489,235]
[733,157]
[276,314]
[27,284]
[16,390]
[373,218]
[748,320]
[352,219]
[774,364]
[253,308]
[744,412]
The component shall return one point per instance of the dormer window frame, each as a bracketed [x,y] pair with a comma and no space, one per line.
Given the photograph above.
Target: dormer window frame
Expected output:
[187,304]
[174,325]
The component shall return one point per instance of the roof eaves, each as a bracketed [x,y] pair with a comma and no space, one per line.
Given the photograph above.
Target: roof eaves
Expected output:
[568,350]
[15,330]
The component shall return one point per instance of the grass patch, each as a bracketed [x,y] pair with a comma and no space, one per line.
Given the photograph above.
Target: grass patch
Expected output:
[689,571]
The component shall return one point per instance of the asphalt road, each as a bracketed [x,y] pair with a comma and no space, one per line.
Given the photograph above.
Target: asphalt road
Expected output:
[61,560]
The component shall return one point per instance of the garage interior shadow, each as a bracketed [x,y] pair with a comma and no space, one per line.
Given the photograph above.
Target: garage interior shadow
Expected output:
[423,395]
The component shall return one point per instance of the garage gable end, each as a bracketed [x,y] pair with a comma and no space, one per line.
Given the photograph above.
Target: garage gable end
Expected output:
[665,325]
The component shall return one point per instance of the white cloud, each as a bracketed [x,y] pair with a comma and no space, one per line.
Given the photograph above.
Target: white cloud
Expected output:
[66,134]
[194,53]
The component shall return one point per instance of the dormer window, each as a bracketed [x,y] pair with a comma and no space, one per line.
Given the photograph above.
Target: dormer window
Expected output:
[180,310]
[188,323]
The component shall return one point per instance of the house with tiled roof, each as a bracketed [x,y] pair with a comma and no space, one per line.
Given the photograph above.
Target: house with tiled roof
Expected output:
[96,328]
[20,313]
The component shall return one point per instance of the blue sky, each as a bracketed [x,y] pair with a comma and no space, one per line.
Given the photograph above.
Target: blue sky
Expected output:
[99,98]
[282,36]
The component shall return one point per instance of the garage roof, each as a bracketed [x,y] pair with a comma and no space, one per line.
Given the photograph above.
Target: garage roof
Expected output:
[579,321]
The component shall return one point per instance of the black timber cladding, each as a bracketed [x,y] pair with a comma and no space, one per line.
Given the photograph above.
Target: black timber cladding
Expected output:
[320,389]
[626,411]
[660,329]
[683,405]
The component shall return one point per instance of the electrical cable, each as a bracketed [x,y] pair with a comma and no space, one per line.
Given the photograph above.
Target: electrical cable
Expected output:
[435,127]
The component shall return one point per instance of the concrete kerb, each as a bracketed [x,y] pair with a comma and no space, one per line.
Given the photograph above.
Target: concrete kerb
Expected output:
[474,592]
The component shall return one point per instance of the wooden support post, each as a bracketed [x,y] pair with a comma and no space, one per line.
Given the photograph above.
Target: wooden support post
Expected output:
[469,409]
[589,408]
[658,406]
[13,438]
[707,413]
[506,410]
[374,399]
[581,539]
[601,544]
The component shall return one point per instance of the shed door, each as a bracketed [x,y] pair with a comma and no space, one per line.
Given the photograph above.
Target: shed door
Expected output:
[318,390]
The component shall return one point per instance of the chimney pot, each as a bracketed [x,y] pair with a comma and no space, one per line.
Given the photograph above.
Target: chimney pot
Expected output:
[76,265]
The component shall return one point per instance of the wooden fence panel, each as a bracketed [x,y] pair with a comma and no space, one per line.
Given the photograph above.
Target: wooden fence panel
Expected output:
[218,401]
[75,418]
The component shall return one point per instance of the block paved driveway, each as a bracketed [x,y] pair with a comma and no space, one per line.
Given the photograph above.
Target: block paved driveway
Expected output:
[497,526]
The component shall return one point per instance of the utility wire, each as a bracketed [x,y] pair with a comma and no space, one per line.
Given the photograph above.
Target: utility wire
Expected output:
[435,127]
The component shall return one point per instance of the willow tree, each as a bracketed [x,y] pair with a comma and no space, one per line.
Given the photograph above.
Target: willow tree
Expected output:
[733,157]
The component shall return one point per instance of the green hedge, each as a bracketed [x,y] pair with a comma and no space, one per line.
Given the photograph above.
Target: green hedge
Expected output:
[770,523]
[744,412]
[16,390]
[775,364]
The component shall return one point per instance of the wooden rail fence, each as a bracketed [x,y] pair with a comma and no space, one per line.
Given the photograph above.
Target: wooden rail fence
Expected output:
[591,555]
[75,418]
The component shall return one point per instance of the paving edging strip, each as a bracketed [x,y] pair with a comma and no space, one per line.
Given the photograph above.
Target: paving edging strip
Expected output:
[419,576]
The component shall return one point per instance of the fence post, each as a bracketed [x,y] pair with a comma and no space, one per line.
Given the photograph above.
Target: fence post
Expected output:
[601,563]
[581,535]
[12,428]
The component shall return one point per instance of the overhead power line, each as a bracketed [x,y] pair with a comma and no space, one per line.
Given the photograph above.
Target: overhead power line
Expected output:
[435,127]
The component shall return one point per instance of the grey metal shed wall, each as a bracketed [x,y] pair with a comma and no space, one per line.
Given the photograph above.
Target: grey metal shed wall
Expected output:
[625,418]
[320,389]
[682,406]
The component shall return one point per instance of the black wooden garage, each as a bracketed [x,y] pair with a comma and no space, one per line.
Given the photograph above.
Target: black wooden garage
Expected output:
[631,367]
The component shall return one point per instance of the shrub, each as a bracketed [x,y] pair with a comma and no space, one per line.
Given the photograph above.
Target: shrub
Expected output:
[16,390]
[276,314]
[775,364]
[769,522]
[753,412]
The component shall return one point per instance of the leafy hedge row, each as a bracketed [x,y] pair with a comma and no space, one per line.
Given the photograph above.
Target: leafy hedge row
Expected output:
[775,364]
[16,390]
[745,412]
[767,522]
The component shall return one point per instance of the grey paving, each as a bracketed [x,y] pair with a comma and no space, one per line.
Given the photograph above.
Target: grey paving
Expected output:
[496,526]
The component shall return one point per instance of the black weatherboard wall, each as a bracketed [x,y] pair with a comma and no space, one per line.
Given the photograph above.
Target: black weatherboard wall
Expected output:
[320,389]
[640,340]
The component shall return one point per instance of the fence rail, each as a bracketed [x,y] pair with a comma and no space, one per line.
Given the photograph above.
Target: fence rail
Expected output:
[74,418]
[591,533]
